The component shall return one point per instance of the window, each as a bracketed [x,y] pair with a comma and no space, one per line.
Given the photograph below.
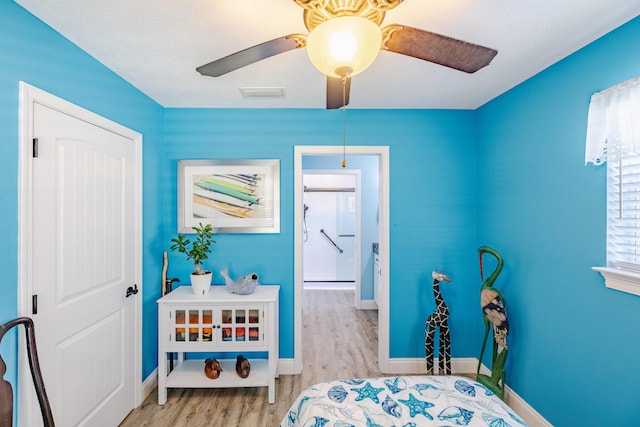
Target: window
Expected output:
[623,214]
[613,136]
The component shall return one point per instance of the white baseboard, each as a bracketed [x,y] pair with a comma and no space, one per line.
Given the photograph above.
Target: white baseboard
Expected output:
[367,304]
[418,366]
[149,383]
[287,367]
[522,408]
[519,405]
[325,286]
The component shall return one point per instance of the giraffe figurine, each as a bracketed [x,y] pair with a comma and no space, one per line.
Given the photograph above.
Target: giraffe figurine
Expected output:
[439,318]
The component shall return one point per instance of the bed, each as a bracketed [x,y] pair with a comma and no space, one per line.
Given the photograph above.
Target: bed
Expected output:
[403,401]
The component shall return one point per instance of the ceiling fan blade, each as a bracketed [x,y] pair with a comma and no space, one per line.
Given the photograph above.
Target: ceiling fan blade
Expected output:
[432,47]
[250,55]
[335,96]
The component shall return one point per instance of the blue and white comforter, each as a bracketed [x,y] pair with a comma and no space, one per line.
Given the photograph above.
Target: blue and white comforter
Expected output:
[400,401]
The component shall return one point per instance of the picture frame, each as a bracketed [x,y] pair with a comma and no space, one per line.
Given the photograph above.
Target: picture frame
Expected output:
[233,195]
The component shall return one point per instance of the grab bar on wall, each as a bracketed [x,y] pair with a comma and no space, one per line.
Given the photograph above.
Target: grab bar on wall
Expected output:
[329,190]
[331,240]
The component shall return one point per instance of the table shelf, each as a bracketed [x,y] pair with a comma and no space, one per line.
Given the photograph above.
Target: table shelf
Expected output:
[190,374]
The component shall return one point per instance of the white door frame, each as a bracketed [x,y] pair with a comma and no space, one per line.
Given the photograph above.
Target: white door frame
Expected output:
[383,309]
[358,255]
[28,96]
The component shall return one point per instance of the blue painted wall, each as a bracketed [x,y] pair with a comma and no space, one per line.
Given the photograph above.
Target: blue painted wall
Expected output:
[432,216]
[369,207]
[575,344]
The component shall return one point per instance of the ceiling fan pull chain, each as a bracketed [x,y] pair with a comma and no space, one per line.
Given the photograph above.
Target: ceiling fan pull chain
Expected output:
[344,122]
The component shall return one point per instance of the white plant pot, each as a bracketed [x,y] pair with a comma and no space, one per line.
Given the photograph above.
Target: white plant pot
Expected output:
[200,283]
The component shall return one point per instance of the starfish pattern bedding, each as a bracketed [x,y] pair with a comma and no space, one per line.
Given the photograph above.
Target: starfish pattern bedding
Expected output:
[403,401]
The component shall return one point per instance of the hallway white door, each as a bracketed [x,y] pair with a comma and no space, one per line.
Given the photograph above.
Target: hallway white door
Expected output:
[83,261]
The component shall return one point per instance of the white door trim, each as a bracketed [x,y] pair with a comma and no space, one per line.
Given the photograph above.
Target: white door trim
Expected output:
[383,309]
[28,96]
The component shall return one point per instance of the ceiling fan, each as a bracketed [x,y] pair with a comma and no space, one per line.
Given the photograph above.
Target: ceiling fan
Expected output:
[319,14]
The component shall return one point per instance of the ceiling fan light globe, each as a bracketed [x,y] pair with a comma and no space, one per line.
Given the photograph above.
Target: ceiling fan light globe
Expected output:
[347,42]
[343,45]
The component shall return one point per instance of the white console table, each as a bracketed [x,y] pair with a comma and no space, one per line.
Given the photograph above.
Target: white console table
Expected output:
[217,322]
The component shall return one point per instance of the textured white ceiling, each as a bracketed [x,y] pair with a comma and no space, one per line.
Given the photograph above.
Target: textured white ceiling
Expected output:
[156,46]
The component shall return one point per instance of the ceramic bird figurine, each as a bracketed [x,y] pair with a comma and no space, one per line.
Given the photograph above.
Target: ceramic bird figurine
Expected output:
[212,368]
[243,286]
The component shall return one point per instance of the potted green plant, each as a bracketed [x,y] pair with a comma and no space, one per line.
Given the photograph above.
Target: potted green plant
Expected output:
[198,251]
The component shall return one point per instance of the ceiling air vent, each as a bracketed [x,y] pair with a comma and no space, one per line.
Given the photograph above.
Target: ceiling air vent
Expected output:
[262,92]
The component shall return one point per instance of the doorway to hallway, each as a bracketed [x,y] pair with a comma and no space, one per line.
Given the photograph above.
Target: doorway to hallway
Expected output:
[305,154]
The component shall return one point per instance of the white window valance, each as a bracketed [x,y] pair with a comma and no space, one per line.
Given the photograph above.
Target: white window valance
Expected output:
[613,128]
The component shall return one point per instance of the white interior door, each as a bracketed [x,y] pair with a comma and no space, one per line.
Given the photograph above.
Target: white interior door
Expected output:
[83,261]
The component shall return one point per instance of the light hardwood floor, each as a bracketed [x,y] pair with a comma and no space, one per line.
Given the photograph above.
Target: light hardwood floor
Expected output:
[339,342]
